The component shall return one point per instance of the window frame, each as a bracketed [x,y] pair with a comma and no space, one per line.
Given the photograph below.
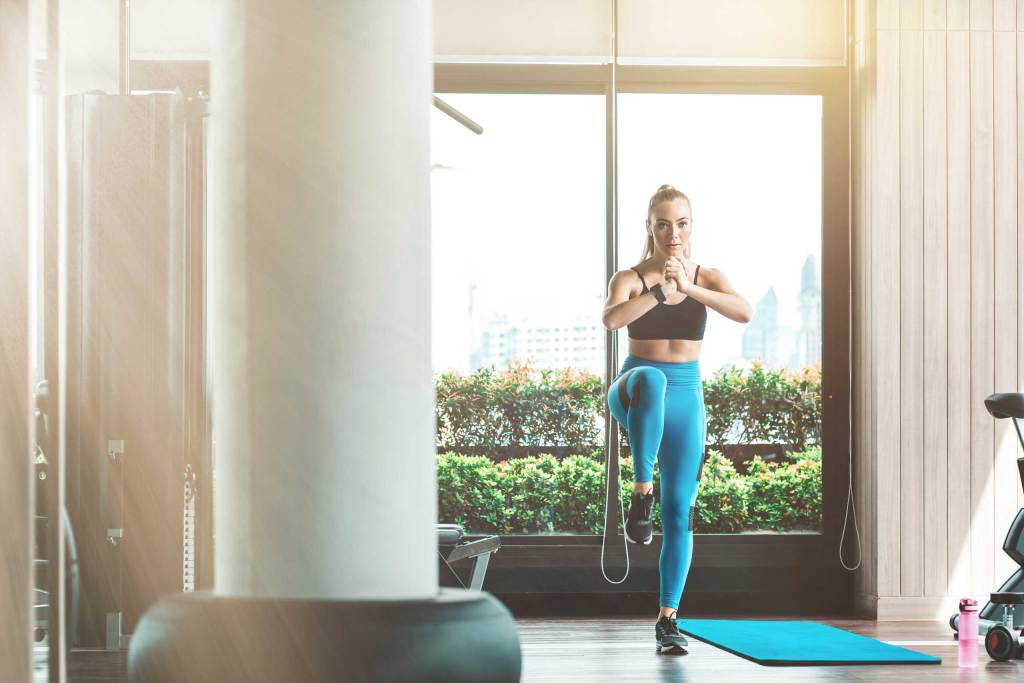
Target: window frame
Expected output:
[806,566]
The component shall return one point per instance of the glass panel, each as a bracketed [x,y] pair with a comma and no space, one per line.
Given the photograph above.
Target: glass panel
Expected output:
[518,260]
[751,167]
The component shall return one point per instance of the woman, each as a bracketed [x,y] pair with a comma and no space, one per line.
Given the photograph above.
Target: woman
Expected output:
[658,395]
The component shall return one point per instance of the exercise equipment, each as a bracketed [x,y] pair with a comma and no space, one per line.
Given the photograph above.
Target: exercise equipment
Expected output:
[42,597]
[451,549]
[137,409]
[45,568]
[1002,406]
[1002,640]
[797,643]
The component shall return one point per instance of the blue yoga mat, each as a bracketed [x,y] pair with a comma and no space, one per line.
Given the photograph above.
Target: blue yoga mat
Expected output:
[797,643]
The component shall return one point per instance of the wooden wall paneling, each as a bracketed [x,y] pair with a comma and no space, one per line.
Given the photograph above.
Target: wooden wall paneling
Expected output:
[871,106]
[935,318]
[887,15]
[911,315]
[1004,15]
[1020,224]
[958,14]
[911,15]
[981,15]
[940,201]
[934,15]
[872,526]
[886,311]
[982,322]
[958,197]
[861,217]
[1004,132]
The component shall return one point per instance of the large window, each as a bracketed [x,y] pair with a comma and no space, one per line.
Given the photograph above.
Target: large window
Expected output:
[519,281]
[751,165]
[752,168]
[518,226]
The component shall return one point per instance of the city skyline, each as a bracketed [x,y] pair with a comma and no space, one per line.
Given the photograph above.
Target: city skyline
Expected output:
[767,341]
[573,338]
[519,221]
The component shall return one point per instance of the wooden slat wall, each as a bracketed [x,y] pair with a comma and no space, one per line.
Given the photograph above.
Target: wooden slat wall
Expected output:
[938,244]
[958,287]
[911,301]
[982,285]
[885,302]
[1004,270]
[1020,207]
[936,528]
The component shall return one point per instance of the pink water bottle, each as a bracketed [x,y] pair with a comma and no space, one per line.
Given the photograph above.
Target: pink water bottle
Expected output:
[967,632]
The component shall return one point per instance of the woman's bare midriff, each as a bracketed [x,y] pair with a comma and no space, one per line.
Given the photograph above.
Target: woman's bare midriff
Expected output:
[665,350]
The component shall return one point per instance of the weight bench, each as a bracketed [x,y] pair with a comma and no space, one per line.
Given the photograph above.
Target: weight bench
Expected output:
[451,549]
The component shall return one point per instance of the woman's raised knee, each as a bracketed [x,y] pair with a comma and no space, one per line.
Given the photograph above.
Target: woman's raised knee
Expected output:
[648,382]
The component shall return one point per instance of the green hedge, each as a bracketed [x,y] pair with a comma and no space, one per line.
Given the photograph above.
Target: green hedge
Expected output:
[764,405]
[542,494]
[498,413]
[786,495]
[520,411]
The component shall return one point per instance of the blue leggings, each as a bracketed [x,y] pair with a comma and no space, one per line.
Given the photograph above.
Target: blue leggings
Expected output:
[662,407]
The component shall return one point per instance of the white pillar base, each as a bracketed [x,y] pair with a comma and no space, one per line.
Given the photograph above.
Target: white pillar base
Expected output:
[457,636]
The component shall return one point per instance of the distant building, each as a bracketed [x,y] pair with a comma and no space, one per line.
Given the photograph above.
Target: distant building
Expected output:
[572,338]
[774,344]
[807,349]
[761,338]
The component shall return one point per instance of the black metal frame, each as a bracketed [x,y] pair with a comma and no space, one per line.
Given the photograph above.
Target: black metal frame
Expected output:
[762,571]
[806,566]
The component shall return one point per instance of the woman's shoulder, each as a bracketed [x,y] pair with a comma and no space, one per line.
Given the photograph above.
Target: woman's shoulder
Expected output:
[709,277]
[629,279]
[631,272]
[642,268]
[706,270]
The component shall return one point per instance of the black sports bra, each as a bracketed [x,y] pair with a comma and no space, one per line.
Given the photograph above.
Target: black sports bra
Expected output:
[685,320]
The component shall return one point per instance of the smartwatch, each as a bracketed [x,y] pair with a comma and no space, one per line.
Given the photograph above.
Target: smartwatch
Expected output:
[658,294]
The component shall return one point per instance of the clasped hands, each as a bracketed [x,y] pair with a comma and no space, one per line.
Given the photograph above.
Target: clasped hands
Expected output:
[676,270]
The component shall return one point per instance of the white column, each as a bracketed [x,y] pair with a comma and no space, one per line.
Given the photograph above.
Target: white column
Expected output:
[319,225]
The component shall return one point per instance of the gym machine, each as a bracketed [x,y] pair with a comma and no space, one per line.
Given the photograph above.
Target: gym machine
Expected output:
[138,454]
[1005,608]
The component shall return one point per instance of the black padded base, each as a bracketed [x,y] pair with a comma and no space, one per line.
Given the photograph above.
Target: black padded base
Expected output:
[458,636]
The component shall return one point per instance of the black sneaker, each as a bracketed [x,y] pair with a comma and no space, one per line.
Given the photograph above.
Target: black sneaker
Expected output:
[668,635]
[638,521]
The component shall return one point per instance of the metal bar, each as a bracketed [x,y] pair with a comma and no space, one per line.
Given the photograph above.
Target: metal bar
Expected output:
[113,639]
[1020,470]
[458,115]
[476,582]
[484,546]
[612,515]
[1019,437]
[124,54]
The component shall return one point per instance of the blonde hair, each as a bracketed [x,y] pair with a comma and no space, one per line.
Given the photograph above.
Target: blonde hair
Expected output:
[665,193]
